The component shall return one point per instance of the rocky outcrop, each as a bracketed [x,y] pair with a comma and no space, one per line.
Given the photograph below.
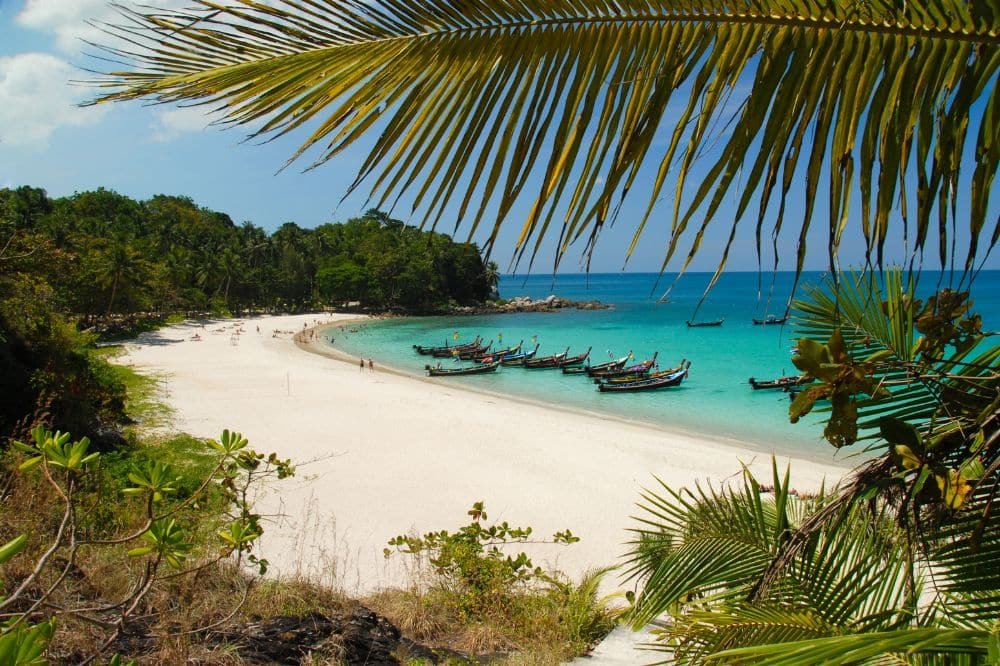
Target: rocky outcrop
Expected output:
[363,637]
[526,304]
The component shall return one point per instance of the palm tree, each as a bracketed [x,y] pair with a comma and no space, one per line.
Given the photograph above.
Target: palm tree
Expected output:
[561,104]
[121,266]
[493,278]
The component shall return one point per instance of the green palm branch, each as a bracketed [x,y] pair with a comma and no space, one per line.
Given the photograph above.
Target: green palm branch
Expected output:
[477,106]
[851,578]
[858,592]
[877,318]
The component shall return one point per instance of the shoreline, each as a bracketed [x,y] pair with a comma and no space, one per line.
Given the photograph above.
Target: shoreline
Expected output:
[380,454]
[328,351]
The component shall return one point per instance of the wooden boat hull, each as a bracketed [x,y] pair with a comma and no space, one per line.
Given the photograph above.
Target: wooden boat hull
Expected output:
[489,357]
[545,361]
[447,350]
[770,321]
[455,372]
[600,367]
[638,368]
[705,324]
[625,379]
[574,361]
[782,383]
[674,379]
[464,354]
[519,359]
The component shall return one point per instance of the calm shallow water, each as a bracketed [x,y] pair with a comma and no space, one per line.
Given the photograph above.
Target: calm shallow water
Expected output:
[715,400]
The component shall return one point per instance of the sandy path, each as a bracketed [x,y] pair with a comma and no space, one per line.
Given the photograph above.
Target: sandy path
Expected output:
[393,454]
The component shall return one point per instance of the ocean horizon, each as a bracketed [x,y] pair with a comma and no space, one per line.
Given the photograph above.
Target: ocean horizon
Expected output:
[715,401]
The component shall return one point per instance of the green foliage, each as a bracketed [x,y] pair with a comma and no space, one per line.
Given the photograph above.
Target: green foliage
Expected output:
[917,378]
[472,560]
[25,645]
[124,263]
[56,450]
[114,266]
[172,532]
[12,548]
[22,644]
[897,565]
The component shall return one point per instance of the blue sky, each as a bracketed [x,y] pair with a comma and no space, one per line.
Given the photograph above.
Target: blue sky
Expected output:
[48,141]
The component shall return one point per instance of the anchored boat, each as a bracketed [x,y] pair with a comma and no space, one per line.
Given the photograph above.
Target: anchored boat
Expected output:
[467,370]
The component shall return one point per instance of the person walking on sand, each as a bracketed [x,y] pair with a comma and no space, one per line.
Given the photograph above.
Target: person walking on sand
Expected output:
[371,366]
[362,365]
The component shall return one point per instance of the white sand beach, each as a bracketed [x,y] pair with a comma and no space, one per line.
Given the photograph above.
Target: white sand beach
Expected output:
[390,454]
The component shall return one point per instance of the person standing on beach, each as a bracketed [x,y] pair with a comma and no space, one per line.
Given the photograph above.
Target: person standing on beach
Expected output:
[362,365]
[371,366]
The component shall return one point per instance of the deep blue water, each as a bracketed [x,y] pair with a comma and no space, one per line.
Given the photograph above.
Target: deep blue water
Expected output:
[716,398]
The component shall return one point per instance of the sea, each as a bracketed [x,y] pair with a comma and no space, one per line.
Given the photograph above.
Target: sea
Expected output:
[715,400]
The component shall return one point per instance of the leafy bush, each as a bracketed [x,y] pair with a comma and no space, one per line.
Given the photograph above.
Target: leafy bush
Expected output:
[483,599]
[168,541]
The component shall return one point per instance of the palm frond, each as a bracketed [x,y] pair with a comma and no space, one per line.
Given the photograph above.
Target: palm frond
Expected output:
[856,648]
[704,632]
[561,105]
[705,543]
[876,316]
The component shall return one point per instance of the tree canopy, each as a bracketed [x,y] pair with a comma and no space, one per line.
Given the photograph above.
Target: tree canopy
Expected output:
[119,256]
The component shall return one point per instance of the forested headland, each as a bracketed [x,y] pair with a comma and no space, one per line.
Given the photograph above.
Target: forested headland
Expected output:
[103,254]
[100,263]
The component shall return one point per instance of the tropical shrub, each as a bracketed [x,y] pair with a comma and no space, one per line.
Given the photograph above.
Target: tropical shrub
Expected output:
[473,562]
[165,539]
[480,597]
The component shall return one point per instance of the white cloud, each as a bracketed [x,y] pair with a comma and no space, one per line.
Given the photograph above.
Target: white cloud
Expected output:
[67,19]
[36,98]
[168,125]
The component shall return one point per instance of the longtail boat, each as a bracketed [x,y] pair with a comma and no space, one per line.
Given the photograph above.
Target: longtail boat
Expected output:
[545,361]
[613,364]
[464,354]
[702,324]
[624,379]
[666,381]
[447,349]
[467,370]
[518,359]
[770,319]
[784,383]
[489,357]
[574,360]
[632,369]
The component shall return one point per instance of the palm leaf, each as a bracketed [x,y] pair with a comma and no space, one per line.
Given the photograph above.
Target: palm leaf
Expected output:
[857,648]
[559,106]
[704,544]
[876,316]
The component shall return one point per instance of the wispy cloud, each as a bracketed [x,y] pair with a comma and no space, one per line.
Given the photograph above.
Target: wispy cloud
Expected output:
[168,125]
[67,20]
[36,99]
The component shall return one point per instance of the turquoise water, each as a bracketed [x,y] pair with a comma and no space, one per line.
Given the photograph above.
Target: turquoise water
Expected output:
[715,399]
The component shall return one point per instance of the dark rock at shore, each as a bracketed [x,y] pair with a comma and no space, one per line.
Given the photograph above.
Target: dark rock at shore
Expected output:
[363,637]
[526,304]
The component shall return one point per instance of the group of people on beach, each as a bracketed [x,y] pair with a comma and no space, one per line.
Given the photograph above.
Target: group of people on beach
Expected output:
[371,365]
